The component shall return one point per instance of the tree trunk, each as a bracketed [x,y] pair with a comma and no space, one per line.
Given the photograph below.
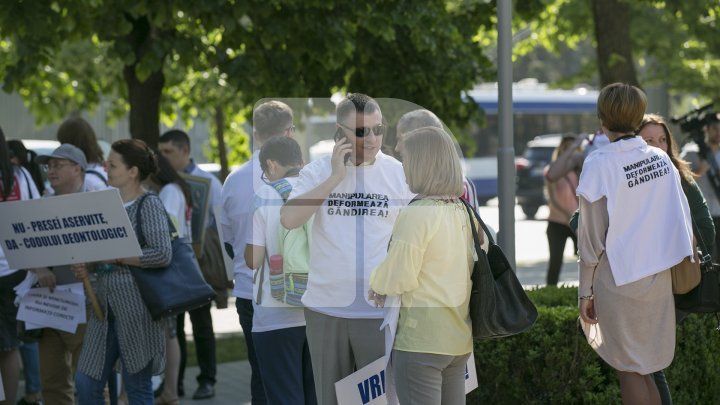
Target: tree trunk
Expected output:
[614,46]
[220,135]
[143,96]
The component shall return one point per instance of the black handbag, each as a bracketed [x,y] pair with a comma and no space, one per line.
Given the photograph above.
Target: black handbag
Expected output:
[174,289]
[499,305]
[706,296]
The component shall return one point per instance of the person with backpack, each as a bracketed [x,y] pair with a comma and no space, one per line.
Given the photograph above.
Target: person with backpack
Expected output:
[78,132]
[280,258]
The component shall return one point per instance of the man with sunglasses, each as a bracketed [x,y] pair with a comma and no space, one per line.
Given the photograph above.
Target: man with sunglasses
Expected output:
[355,202]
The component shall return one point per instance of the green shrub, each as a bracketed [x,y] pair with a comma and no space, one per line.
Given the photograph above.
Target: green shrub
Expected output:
[553,364]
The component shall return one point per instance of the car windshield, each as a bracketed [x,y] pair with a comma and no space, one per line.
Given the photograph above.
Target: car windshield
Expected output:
[539,154]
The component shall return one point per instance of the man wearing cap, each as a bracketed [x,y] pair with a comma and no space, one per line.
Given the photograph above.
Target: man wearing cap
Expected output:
[707,168]
[59,351]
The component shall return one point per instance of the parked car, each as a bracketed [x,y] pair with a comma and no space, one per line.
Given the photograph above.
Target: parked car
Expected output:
[530,172]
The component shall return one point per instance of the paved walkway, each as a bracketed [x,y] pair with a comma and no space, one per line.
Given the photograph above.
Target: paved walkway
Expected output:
[232,387]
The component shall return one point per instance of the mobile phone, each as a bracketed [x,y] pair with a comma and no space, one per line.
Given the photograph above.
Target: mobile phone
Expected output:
[338,136]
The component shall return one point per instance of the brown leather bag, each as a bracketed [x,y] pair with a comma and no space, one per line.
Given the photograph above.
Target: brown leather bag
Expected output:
[686,274]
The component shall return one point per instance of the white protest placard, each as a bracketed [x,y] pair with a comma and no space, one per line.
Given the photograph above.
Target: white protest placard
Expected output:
[368,385]
[67,229]
[471,381]
[229,267]
[76,288]
[363,387]
[62,310]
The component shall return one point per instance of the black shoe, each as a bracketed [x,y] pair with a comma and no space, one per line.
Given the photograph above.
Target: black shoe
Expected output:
[181,390]
[204,391]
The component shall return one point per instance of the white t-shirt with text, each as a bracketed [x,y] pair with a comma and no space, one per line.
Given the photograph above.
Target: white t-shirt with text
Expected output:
[649,218]
[350,233]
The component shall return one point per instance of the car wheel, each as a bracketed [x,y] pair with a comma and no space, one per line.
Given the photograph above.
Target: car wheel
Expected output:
[529,210]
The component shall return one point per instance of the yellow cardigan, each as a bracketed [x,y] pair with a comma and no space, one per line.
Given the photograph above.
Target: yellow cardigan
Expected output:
[429,263]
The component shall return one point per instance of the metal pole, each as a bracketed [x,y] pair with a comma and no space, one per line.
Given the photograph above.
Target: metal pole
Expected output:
[506,153]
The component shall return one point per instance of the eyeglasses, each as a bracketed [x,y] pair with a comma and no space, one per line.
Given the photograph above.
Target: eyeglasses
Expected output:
[361,132]
[57,166]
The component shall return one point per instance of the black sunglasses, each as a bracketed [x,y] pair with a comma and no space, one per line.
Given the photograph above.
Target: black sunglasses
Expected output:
[361,132]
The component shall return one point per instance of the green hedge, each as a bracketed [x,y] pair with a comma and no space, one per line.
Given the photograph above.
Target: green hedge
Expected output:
[553,364]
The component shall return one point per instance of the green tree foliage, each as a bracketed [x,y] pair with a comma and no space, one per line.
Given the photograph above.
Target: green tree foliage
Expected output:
[188,59]
[673,42]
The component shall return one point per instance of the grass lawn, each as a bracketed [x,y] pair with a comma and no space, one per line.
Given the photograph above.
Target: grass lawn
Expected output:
[229,347]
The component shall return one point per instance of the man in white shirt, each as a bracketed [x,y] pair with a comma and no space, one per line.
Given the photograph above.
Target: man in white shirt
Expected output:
[355,202]
[175,146]
[238,193]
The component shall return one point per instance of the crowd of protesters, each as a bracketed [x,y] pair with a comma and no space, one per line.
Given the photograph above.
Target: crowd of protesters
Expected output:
[320,251]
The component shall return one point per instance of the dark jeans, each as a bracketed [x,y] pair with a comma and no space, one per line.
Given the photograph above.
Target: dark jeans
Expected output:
[204,337]
[284,359]
[557,235]
[245,312]
[138,386]
[663,387]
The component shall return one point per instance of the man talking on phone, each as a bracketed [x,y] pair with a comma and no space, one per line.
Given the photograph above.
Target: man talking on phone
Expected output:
[355,203]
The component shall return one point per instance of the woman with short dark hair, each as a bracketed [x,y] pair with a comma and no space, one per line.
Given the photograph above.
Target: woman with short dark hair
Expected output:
[630,195]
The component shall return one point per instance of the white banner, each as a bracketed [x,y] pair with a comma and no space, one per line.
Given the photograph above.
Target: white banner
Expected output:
[363,387]
[67,229]
[471,381]
[368,385]
[62,310]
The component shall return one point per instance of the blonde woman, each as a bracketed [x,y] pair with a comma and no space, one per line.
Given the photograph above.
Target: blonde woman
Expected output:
[630,194]
[428,264]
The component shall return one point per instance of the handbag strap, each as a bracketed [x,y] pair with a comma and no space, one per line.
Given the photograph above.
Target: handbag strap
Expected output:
[476,238]
[472,213]
[139,232]
[696,231]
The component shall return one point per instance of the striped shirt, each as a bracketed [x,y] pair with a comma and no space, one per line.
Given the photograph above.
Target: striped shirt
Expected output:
[141,339]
